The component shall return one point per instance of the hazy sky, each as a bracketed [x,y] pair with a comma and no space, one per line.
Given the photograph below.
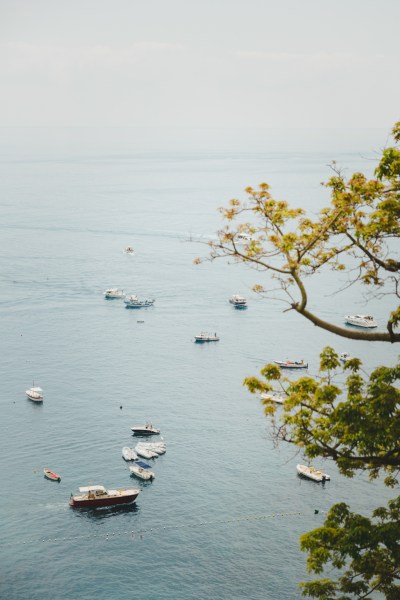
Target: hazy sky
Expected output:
[229,63]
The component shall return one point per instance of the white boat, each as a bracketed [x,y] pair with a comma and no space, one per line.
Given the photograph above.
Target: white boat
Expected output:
[129,453]
[344,357]
[141,470]
[114,293]
[238,301]
[145,452]
[158,448]
[291,364]
[146,429]
[129,250]
[274,396]
[312,473]
[134,302]
[35,393]
[206,337]
[365,321]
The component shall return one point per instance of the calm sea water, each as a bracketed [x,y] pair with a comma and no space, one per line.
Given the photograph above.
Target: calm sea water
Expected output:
[208,526]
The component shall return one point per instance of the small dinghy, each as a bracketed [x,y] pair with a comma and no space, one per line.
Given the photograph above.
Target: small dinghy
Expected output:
[145,452]
[312,473]
[158,448]
[129,453]
[142,470]
[52,475]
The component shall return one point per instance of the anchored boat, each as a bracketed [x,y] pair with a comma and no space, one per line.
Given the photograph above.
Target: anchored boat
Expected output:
[96,496]
[365,321]
[35,393]
[312,473]
[291,364]
[52,475]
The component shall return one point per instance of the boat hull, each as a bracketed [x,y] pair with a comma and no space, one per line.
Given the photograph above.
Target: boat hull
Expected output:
[35,398]
[77,502]
[291,365]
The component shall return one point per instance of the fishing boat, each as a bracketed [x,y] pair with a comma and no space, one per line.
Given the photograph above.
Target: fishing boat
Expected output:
[35,393]
[365,321]
[274,396]
[96,496]
[142,470]
[129,453]
[344,356]
[134,302]
[112,293]
[146,429]
[291,364]
[52,475]
[206,337]
[129,250]
[312,473]
[238,301]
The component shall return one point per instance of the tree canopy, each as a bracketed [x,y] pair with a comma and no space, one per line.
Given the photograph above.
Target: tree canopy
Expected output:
[358,232]
[355,423]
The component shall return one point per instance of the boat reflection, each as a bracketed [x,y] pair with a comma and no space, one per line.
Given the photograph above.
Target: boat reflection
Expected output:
[99,514]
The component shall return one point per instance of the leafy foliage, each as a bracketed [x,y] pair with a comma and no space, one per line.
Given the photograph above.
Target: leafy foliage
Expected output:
[356,232]
[356,424]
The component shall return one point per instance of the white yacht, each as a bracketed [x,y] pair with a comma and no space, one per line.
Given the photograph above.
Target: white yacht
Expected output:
[114,293]
[238,301]
[35,393]
[365,321]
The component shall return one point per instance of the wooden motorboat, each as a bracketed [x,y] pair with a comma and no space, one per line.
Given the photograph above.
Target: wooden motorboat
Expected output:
[52,475]
[129,453]
[146,429]
[291,364]
[96,496]
[142,470]
[312,473]
[35,393]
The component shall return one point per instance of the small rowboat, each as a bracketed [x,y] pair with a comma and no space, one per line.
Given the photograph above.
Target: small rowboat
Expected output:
[51,475]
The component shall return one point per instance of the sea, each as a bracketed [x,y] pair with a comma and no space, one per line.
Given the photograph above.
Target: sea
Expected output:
[223,516]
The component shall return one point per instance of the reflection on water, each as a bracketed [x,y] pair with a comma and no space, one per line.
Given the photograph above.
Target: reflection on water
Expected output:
[100,513]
